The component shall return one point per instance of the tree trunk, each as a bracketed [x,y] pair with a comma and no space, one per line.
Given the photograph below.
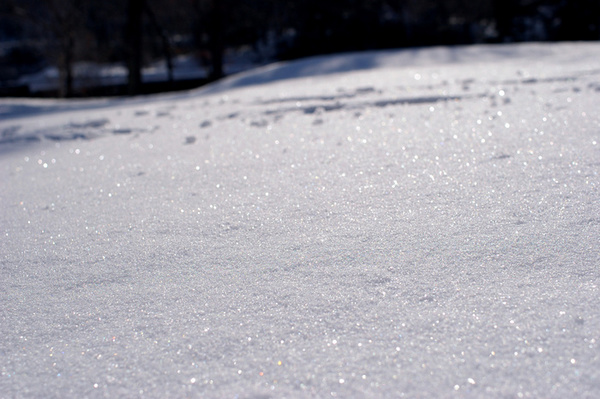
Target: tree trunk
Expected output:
[134,44]
[65,67]
[504,12]
[164,38]
[216,45]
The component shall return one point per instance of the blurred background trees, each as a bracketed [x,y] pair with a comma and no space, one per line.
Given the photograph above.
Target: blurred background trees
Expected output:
[67,34]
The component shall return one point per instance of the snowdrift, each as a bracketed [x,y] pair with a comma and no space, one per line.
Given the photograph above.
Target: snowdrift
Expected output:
[414,223]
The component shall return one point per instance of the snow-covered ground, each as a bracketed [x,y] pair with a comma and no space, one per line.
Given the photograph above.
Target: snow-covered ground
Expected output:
[415,223]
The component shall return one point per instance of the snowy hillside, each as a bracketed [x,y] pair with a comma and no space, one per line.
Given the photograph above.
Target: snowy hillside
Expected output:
[416,223]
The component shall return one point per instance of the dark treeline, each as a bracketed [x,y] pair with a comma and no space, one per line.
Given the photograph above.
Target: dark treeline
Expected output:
[34,33]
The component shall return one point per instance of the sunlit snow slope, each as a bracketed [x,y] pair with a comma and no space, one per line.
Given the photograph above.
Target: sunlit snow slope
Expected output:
[416,223]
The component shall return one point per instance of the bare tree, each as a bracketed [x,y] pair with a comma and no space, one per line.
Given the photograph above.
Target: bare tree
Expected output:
[135,9]
[61,23]
[164,40]
[216,38]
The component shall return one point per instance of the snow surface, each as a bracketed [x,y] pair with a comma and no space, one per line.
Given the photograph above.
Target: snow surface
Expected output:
[413,223]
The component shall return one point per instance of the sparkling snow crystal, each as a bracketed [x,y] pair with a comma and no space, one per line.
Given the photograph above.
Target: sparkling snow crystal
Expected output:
[421,223]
